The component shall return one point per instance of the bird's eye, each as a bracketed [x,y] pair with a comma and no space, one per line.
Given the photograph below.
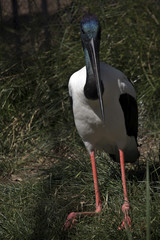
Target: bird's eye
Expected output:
[83,31]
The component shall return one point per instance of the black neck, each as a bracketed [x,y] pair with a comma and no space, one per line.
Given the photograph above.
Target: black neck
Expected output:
[90,88]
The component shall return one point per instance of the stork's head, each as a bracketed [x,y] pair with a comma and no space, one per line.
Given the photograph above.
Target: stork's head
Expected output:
[90,31]
[90,35]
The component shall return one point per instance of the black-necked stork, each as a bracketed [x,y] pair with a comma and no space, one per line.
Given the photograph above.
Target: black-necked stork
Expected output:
[105,111]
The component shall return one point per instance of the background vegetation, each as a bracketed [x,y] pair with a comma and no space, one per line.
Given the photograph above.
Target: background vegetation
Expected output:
[45,171]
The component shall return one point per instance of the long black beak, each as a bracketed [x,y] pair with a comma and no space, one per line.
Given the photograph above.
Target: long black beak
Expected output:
[94,63]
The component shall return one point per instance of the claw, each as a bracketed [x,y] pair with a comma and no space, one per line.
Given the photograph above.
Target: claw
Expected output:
[70,221]
[127,221]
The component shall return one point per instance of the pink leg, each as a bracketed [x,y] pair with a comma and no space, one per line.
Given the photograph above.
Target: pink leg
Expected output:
[125,206]
[73,215]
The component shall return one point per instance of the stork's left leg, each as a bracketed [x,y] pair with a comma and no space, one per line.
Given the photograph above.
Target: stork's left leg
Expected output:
[125,206]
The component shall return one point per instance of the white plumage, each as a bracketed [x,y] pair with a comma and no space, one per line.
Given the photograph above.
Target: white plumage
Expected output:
[111,135]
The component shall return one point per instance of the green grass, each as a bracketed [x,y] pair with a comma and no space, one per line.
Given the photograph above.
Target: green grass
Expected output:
[45,171]
[37,209]
[148,220]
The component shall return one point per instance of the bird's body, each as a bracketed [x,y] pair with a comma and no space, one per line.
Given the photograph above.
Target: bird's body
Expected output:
[105,111]
[112,134]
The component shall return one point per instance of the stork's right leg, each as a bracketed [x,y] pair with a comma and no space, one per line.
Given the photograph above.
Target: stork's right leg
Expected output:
[73,215]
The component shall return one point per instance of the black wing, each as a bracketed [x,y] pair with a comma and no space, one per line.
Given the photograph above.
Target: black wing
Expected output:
[130,110]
